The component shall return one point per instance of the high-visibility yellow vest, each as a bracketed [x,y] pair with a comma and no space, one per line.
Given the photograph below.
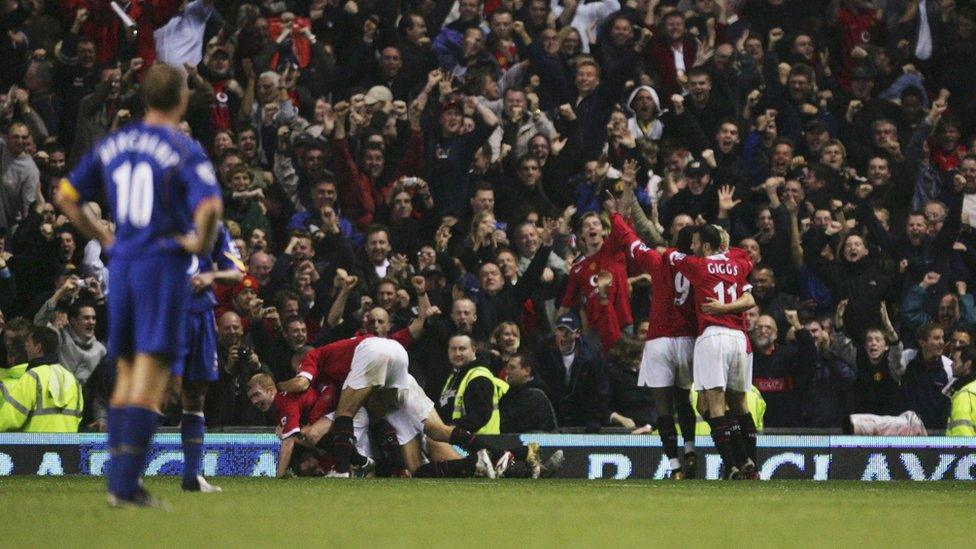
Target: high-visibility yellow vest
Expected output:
[962,418]
[46,399]
[754,401]
[494,424]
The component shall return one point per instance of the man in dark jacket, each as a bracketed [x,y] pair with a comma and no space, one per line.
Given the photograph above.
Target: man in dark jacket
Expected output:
[854,276]
[572,367]
[776,369]
[593,96]
[927,372]
[823,392]
[500,301]
[525,408]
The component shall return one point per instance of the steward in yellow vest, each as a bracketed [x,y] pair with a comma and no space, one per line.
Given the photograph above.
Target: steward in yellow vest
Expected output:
[48,397]
[962,415]
[471,394]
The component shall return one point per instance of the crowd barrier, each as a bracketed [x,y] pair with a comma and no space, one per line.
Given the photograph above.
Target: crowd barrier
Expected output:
[811,457]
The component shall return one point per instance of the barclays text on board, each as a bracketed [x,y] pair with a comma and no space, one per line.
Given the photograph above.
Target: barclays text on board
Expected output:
[587,456]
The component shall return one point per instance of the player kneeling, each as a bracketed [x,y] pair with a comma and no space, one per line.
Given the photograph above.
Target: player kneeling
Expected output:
[316,407]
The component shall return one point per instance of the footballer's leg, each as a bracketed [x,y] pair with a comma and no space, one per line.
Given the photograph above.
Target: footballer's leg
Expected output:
[117,403]
[350,401]
[721,428]
[663,404]
[688,422]
[437,430]
[684,379]
[738,407]
[383,432]
[138,420]
[740,381]
[198,368]
[657,371]
[412,455]
[445,462]
[192,427]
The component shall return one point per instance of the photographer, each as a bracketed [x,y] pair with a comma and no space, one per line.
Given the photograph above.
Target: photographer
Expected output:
[237,361]
[73,312]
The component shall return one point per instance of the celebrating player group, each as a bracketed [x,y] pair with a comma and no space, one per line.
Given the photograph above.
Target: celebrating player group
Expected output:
[697,335]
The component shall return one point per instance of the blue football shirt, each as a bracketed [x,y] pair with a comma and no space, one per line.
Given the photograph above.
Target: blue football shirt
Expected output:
[152,178]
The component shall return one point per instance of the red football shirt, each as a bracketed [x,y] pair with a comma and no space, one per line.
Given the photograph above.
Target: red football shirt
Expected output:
[581,287]
[292,410]
[330,364]
[723,277]
[672,309]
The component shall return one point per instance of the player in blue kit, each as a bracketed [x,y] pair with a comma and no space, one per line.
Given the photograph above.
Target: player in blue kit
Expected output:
[164,198]
[196,368]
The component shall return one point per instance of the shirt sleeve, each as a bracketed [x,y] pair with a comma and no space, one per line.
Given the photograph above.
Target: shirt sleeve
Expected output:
[685,264]
[226,255]
[84,182]
[198,174]
[310,364]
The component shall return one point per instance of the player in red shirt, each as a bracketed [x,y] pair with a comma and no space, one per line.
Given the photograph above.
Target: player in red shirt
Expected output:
[293,411]
[666,365]
[602,253]
[720,280]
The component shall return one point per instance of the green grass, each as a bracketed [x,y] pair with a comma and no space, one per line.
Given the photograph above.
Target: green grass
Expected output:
[71,512]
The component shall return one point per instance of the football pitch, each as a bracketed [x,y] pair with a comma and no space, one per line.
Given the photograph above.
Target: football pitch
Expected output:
[70,512]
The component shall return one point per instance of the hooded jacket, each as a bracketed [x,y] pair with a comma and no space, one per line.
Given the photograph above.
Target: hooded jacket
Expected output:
[656,128]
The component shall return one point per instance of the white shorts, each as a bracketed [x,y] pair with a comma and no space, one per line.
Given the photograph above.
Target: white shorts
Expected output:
[360,429]
[721,360]
[667,362]
[378,362]
[411,409]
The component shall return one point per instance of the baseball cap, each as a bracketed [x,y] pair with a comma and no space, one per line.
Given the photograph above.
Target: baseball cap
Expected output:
[569,320]
[816,126]
[378,94]
[696,168]
[248,283]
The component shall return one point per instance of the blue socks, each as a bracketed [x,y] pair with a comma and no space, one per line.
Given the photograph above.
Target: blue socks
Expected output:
[114,424]
[191,433]
[134,434]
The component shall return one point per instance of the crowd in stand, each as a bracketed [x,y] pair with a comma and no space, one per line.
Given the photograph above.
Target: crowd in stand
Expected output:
[372,152]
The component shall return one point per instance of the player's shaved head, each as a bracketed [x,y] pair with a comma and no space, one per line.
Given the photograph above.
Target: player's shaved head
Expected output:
[377,322]
[163,88]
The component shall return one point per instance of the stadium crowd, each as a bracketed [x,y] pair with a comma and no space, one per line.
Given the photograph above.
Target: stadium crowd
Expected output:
[428,168]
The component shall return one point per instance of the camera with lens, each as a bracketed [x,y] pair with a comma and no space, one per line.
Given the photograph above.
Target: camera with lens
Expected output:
[244,354]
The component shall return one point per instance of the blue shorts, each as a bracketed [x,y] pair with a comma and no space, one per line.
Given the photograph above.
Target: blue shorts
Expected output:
[147,305]
[198,362]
